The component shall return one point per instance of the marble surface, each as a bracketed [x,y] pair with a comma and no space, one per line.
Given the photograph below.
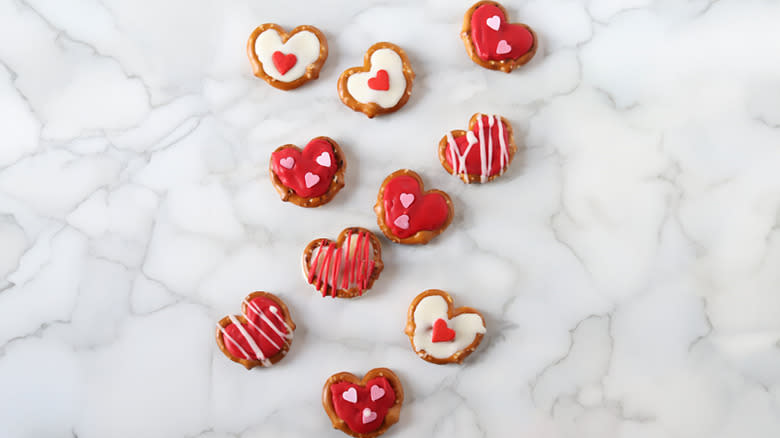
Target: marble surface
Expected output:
[628,264]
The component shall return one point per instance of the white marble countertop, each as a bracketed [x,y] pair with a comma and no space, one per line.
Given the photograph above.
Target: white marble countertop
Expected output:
[628,264]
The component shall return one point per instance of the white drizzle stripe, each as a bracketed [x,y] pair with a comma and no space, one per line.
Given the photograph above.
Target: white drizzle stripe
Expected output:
[289,334]
[504,151]
[459,160]
[483,174]
[249,339]
[491,122]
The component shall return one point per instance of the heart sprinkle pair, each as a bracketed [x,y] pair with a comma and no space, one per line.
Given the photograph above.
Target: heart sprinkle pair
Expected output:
[367,407]
[384,83]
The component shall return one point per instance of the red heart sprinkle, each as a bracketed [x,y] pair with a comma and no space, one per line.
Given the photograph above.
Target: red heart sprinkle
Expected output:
[380,82]
[442,333]
[284,62]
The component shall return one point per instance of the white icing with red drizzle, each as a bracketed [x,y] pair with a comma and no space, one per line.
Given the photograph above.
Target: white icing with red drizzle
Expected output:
[344,267]
[257,352]
[485,154]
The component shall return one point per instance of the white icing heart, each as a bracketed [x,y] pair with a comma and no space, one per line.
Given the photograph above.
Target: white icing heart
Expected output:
[323,159]
[311,179]
[406,199]
[382,59]
[287,163]
[503,47]
[402,222]
[304,45]
[493,22]
[377,392]
[466,325]
[368,416]
[350,395]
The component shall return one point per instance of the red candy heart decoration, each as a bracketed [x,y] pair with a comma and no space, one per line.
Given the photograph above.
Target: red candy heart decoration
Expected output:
[406,213]
[480,154]
[380,82]
[261,335]
[442,333]
[310,176]
[284,62]
[364,407]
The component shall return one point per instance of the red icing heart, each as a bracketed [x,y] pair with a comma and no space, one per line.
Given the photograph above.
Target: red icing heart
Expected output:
[354,412]
[308,167]
[495,158]
[380,82]
[263,323]
[282,62]
[508,42]
[425,212]
[442,333]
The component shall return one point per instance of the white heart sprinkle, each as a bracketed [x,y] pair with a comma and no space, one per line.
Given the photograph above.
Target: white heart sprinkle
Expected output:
[311,179]
[350,395]
[406,199]
[287,163]
[503,47]
[377,392]
[323,159]
[494,22]
[402,222]
[368,416]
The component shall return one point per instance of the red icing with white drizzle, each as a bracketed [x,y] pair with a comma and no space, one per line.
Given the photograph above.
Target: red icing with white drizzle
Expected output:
[338,267]
[495,39]
[262,336]
[309,172]
[407,211]
[482,151]
[363,408]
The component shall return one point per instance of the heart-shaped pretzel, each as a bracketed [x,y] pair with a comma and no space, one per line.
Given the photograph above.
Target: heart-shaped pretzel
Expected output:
[480,154]
[440,333]
[287,60]
[311,176]
[363,408]
[494,43]
[344,268]
[382,85]
[409,215]
[261,335]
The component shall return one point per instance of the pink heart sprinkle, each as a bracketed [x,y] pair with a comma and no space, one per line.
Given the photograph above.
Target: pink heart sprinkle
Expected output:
[406,199]
[287,163]
[494,22]
[368,416]
[350,395]
[323,159]
[377,393]
[311,179]
[402,222]
[503,47]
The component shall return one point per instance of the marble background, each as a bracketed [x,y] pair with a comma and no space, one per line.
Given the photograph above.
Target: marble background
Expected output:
[628,264]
